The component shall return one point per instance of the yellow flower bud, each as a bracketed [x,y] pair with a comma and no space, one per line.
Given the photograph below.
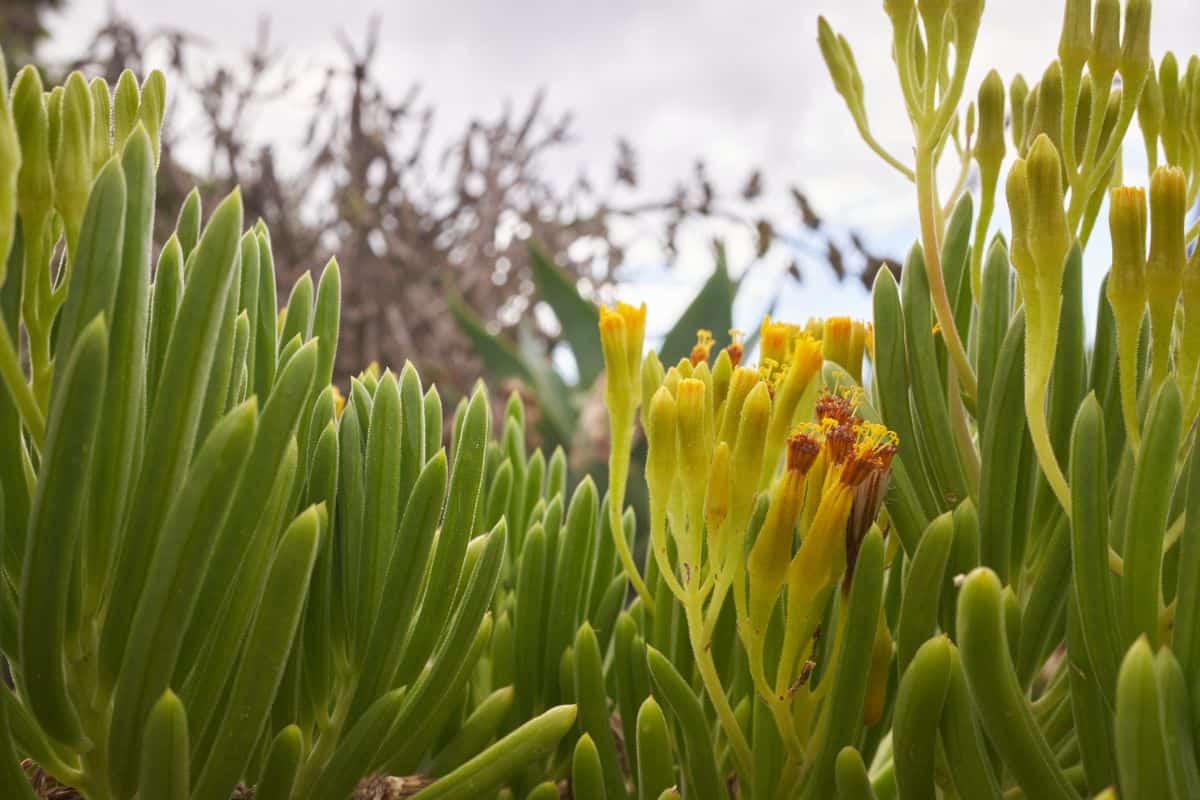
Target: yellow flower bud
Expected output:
[662,446]
[1126,289]
[1172,129]
[1018,92]
[858,345]
[835,60]
[773,339]
[1106,40]
[1017,191]
[771,554]
[717,498]
[36,181]
[652,380]
[685,367]
[1075,43]
[1048,120]
[1135,49]
[1164,265]
[835,341]
[989,147]
[753,437]
[622,330]
[73,165]
[671,382]
[1049,233]
[722,374]
[743,381]
[694,447]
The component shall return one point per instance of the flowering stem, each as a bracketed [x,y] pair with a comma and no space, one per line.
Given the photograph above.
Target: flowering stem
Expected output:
[22,395]
[1039,355]
[702,649]
[618,473]
[927,201]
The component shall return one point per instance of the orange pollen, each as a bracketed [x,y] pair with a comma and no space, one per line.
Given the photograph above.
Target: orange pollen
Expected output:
[837,407]
[802,451]
[735,353]
[840,440]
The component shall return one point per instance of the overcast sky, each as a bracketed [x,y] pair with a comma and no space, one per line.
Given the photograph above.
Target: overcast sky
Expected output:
[739,83]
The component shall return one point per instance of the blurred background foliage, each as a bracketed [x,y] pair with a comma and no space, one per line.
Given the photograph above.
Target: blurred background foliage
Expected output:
[468,254]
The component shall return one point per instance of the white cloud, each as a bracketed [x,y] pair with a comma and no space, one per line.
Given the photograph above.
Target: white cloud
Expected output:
[741,84]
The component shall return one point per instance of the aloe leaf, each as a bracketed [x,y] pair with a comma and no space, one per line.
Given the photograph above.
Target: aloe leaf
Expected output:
[172,425]
[569,576]
[699,760]
[999,700]
[1091,709]
[1146,519]
[382,511]
[592,701]
[853,783]
[1001,447]
[265,331]
[843,719]
[408,559]
[96,272]
[578,317]
[164,306]
[412,732]
[919,702]
[298,313]
[463,497]
[176,571]
[528,630]
[120,434]
[1186,640]
[282,764]
[966,755]
[352,759]
[165,771]
[1092,584]
[656,764]
[55,521]
[15,517]
[892,383]
[241,552]
[1141,750]
[1174,711]
[187,224]
[506,758]
[204,677]
[13,782]
[919,603]
[993,320]
[929,394]
[267,646]
[476,732]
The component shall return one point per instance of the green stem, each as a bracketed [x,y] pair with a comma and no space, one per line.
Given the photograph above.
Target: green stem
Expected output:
[618,474]
[22,395]
[928,206]
[702,650]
